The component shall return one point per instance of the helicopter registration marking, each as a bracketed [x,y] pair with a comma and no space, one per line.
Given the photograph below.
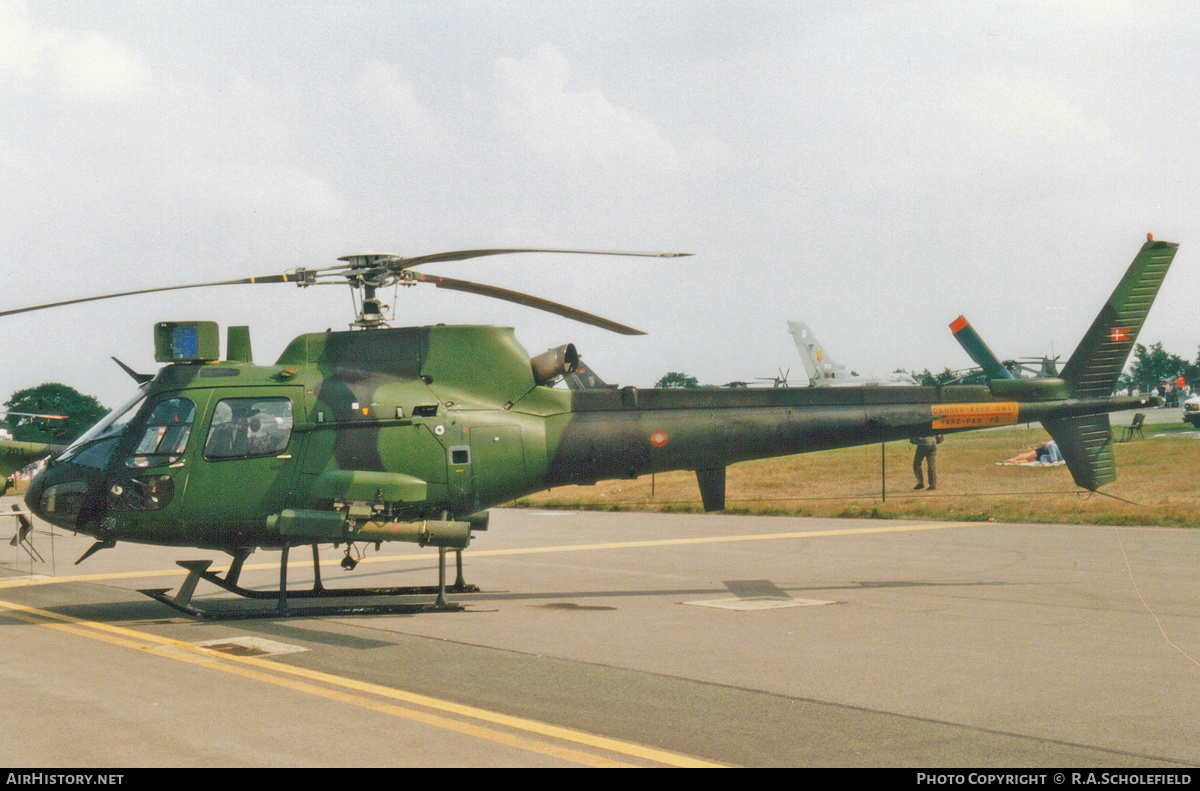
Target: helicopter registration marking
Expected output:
[1003,413]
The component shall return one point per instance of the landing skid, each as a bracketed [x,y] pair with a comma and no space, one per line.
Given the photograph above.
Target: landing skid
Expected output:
[198,570]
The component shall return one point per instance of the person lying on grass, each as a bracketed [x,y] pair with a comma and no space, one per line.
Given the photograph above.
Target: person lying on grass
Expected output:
[1046,453]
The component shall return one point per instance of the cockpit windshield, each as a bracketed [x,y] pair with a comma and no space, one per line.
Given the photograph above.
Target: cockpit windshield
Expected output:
[111,425]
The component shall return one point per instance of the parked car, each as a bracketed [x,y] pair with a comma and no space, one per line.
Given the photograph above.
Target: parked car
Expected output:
[1191,411]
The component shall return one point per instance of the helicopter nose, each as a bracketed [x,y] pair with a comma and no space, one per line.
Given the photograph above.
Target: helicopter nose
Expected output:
[57,496]
[33,493]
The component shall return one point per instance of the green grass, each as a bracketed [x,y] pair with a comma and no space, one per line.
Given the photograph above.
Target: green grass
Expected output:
[1158,484]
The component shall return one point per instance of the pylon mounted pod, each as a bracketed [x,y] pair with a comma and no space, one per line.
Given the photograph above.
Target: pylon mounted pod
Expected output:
[431,532]
[299,525]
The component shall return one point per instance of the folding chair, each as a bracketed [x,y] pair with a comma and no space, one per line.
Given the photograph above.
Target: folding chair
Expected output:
[1134,428]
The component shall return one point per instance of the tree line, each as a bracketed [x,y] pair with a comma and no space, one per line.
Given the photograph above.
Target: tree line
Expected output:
[1149,368]
[78,413]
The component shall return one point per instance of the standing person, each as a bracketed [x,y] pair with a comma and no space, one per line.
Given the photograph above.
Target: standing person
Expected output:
[926,449]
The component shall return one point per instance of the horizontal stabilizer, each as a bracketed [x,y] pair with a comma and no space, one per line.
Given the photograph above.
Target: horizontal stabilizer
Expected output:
[1086,444]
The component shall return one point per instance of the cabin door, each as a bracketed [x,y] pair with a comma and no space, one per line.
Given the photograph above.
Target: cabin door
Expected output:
[247,462]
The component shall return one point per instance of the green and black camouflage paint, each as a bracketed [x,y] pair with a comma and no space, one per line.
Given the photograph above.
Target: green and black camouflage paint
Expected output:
[442,422]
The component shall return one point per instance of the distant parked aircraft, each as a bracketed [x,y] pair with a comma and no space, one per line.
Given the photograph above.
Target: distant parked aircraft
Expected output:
[824,372]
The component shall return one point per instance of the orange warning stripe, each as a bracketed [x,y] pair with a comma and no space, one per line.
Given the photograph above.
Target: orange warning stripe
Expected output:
[1000,413]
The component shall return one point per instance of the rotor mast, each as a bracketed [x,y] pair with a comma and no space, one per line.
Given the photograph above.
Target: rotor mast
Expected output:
[370,272]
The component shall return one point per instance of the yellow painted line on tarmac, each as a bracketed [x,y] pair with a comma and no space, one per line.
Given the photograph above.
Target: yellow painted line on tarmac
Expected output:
[25,582]
[670,542]
[345,689]
[21,582]
[305,680]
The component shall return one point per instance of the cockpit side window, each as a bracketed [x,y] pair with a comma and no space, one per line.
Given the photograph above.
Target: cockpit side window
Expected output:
[97,454]
[247,427]
[166,434]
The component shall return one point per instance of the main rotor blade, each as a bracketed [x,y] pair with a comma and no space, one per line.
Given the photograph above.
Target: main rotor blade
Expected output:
[526,300]
[380,264]
[285,278]
[462,255]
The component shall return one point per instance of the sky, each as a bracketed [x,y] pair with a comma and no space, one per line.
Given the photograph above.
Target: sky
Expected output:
[872,169]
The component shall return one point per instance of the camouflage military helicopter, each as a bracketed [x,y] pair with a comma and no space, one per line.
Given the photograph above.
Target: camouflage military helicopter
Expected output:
[412,433]
[15,455]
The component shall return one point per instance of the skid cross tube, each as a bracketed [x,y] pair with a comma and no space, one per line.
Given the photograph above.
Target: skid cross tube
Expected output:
[199,570]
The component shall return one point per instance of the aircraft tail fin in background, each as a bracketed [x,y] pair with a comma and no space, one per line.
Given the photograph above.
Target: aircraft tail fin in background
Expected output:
[820,369]
[1086,441]
[584,378]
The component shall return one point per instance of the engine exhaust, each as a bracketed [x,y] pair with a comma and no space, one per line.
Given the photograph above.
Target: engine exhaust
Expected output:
[553,363]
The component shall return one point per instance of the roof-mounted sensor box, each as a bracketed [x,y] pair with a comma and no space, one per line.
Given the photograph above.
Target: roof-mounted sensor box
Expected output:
[187,342]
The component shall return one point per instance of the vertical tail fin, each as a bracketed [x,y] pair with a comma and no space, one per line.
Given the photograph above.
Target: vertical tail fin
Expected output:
[1092,371]
[817,364]
[584,378]
[1086,446]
